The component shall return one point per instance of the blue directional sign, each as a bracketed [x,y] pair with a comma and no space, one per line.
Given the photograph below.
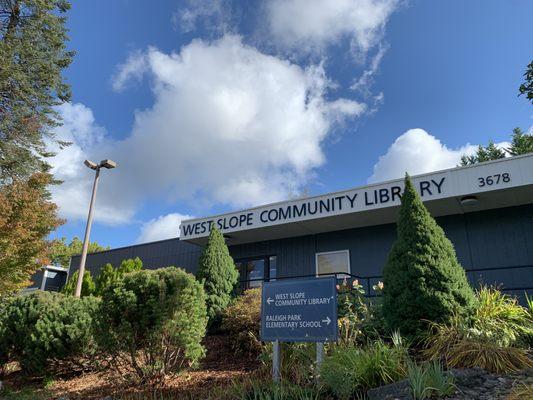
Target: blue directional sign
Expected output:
[299,310]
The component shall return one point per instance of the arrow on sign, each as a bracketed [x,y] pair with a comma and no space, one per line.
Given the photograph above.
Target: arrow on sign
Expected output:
[269,300]
[327,320]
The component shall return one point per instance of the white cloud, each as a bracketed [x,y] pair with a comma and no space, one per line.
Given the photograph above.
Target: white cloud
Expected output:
[418,152]
[162,227]
[229,125]
[311,25]
[131,69]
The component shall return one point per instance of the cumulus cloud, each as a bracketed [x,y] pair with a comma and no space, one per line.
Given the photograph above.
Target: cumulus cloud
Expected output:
[229,125]
[418,152]
[132,69]
[314,24]
[162,227]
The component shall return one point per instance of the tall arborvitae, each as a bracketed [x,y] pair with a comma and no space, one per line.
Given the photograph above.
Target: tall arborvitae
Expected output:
[218,273]
[422,277]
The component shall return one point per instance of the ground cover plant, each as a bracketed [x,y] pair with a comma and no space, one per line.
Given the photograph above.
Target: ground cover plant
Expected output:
[423,280]
[151,323]
[43,331]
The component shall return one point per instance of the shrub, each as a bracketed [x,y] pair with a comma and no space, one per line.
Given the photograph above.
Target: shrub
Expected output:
[297,362]
[217,272]
[460,346]
[87,286]
[257,389]
[242,320]
[107,276]
[429,380]
[152,322]
[41,330]
[349,370]
[129,265]
[422,277]
[499,317]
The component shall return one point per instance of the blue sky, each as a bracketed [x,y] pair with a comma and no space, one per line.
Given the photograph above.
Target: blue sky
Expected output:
[215,105]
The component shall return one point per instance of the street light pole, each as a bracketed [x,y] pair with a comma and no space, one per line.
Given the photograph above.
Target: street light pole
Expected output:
[105,164]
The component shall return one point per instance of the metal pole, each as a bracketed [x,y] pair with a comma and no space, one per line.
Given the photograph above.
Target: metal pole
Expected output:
[276,376]
[319,358]
[81,270]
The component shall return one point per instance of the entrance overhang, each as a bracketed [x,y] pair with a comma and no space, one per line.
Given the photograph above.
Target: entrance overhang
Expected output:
[495,184]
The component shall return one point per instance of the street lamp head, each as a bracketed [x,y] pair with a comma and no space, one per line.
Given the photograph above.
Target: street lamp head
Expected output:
[107,163]
[90,164]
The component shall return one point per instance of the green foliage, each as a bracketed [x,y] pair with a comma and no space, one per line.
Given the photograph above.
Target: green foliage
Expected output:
[459,345]
[488,153]
[107,277]
[526,88]
[42,329]
[521,143]
[217,272]
[129,265]
[152,322]
[61,251]
[429,380]
[358,317]
[88,286]
[33,55]
[242,320]
[500,318]
[349,370]
[297,362]
[257,389]
[423,280]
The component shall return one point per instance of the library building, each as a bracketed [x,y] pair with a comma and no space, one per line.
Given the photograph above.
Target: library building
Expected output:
[486,210]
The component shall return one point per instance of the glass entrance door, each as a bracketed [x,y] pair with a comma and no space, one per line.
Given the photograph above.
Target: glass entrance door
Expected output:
[253,271]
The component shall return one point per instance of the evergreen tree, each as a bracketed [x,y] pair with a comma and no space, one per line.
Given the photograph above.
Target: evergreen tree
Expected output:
[526,88]
[522,143]
[423,281]
[32,57]
[129,265]
[87,286]
[491,152]
[218,274]
[108,276]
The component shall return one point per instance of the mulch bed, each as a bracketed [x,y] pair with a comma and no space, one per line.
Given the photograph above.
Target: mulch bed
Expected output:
[220,368]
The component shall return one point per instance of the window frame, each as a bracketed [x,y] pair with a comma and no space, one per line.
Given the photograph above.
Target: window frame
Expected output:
[346,274]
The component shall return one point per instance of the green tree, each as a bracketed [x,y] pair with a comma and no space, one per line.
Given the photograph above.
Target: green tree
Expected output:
[32,58]
[130,265]
[526,88]
[423,281]
[61,251]
[217,272]
[87,286]
[521,143]
[26,218]
[107,276]
[488,153]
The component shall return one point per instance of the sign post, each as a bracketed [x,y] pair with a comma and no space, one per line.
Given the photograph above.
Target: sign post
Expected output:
[303,310]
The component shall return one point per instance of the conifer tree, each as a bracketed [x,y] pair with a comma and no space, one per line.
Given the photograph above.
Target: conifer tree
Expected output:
[521,143]
[87,287]
[423,281]
[108,276]
[482,154]
[130,265]
[218,273]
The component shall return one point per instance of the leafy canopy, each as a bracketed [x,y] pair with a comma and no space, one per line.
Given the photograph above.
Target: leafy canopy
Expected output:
[32,58]
[61,251]
[218,273]
[423,281]
[526,88]
[26,217]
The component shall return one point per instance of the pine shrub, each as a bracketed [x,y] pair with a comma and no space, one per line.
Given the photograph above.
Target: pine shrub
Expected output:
[88,286]
[108,276]
[47,330]
[130,265]
[423,281]
[151,323]
[217,272]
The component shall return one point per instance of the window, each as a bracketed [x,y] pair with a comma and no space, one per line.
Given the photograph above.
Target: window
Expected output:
[253,271]
[333,262]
